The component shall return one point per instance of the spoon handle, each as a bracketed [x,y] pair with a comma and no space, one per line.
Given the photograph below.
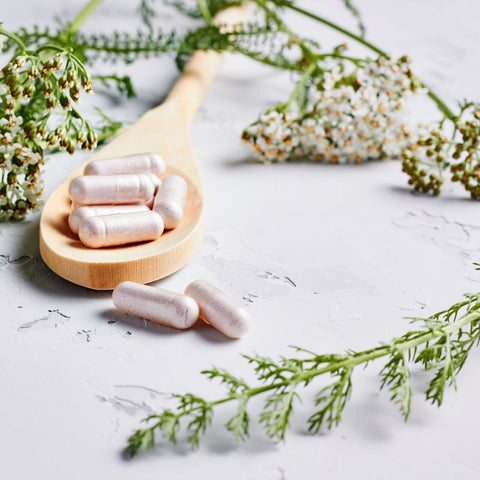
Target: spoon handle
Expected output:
[201,69]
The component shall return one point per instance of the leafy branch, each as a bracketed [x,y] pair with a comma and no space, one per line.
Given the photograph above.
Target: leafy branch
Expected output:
[441,345]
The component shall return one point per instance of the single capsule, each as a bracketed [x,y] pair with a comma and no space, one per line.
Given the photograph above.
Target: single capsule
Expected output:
[155,304]
[120,229]
[170,200]
[218,309]
[112,189]
[137,163]
[79,214]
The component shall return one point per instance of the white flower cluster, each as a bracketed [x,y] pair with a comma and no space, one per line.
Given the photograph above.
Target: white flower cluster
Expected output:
[350,117]
[20,178]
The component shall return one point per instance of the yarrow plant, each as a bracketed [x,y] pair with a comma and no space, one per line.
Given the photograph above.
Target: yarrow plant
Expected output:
[440,345]
[342,108]
[38,93]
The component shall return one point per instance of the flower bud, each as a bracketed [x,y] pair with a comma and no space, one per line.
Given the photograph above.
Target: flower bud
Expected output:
[15,91]
[50,103]
[63,82]
[28,91]
[65,102]
[47,88]
[75,92]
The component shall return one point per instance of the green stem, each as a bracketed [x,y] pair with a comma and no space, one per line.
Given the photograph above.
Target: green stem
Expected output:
[439,102]
[298,87]
[14,37]
[307,53]
[359,358]
[205,11]
[355,61]
[338,28]
[82,17]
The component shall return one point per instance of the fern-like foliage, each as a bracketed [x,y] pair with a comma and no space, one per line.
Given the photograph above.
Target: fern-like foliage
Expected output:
[395,376]
[264,43]
[441,344]
[331,401]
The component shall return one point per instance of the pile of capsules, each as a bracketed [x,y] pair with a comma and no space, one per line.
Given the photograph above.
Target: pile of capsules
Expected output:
[122,200]
[201,300]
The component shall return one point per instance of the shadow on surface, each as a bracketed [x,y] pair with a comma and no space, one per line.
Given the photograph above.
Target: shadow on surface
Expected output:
[403,191]
[209,333]
[133,323]
[206,332]
[216,441]
[39,275]
[249,159]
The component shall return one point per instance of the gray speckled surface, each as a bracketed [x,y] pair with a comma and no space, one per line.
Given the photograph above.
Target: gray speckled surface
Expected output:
[324,257]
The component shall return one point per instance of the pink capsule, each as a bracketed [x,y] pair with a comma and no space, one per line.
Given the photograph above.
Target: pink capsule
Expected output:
[155,180]
[112,189]
[120,229]
[170,200]
[81,213]
[155,304]
[218,309]
[136,163]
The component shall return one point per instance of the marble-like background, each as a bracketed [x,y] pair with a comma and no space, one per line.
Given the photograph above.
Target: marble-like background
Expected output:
[324,257]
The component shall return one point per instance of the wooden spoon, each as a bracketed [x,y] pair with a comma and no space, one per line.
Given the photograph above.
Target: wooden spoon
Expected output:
[165,130]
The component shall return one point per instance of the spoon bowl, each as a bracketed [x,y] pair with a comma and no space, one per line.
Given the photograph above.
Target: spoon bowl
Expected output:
[163,130]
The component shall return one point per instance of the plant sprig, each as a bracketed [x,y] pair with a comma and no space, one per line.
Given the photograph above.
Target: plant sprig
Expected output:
[440,345]
[342,108]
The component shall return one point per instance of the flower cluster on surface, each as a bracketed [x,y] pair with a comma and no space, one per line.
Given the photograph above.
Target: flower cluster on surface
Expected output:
[428,160]
[20,167]
[351,116]
[38,93]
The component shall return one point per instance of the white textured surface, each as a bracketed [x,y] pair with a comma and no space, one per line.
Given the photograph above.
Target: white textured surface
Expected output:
[324,257]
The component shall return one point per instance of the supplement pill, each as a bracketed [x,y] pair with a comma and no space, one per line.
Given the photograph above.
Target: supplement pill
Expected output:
[155,180]
[120,228]
[170,200]
[137,163]
[79,214]
[112,189]
[155,304]
[218,309]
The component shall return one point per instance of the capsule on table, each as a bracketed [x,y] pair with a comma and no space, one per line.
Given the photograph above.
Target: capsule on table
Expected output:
[218,309]
[79,214]
[120,229]
[112,189]
[170,200]
[136,163]
[155,304]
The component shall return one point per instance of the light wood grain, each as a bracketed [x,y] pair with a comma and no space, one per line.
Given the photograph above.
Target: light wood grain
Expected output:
[165,130]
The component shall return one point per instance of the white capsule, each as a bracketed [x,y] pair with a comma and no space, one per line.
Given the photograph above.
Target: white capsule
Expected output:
[81,213]
[155,304]
[218,309]
[120,229]
[112,189]
[170,200]
[155,180]
[136,163]
[149,204]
